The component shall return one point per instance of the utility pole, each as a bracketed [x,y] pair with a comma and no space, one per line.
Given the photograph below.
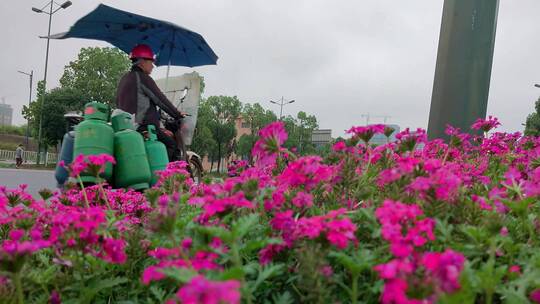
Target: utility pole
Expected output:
[464,61]
[281,104]
[31,75]
[50,5]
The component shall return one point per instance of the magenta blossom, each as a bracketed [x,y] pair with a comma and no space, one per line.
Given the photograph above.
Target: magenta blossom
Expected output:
[535,296]
[267,148]
[202,291]
[445,268]
[365,133]
[486,124]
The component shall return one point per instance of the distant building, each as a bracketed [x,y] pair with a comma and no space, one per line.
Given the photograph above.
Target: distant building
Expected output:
[321,137]
[242,127]
[380,139]
[6,114]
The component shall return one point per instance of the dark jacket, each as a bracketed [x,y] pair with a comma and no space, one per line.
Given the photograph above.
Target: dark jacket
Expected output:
[138,94]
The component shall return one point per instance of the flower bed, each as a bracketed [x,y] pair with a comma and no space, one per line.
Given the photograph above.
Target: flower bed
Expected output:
[452,222]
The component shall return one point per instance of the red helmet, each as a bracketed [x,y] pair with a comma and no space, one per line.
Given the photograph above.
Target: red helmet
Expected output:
[142,51]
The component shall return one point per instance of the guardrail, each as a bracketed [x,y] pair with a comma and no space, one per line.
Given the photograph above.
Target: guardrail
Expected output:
[29,156]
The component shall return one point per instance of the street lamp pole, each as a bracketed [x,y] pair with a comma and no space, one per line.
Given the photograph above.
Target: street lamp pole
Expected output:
[31,75]
[50,13]
[281,104]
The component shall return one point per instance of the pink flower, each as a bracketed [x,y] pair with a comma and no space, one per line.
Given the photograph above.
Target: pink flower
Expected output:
[486,124]
[445,268]
[366,132]
[152,273]
[201,291]
[504,231]
[100,160]
[114,251]
[205,260]
[266,149]
[78,166]
[535,296]
[395,292]
[186,243]
[339,146]
[515,269]
[482,203]
[327,271]
[55,298]
[394,269]
[267,254]
[340,232]
[303,199]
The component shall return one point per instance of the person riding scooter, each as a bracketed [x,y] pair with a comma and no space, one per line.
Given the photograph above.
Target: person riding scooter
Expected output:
[138,94]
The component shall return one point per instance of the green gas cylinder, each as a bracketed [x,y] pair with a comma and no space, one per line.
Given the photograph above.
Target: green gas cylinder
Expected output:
[94,136]
[132,169]
[157,153]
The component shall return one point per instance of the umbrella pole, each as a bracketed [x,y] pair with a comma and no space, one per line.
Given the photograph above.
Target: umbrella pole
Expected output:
[167,77]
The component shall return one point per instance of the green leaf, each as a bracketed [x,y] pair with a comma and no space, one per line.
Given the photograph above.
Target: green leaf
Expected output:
[158,293]
[361,260]
[234,273]
[181,275]
[284,298]
[266,273]
[216,231]
[98,285]
[489,276]
[243,225]
[257,244]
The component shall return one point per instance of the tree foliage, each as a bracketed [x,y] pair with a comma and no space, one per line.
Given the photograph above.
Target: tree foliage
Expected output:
[96,73]
[300,130]
[532,125]
[256,117]
[216,134]
[217,116]
[54,105]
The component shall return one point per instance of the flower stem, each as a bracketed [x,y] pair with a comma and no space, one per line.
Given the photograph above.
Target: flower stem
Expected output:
[104,196]
[86,203]
[237,261]
[354,289]
[18,287]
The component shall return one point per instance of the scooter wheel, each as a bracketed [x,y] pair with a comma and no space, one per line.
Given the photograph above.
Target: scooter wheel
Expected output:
[196,170]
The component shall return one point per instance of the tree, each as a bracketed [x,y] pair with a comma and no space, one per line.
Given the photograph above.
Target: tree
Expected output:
[306,125]
[203,140]
[257,118]
[300,130]
[532,125]
[245,145]
[215,130]
[96,73]
[55,104]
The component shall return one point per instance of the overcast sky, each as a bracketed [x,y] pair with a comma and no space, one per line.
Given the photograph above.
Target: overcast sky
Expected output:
[338,59]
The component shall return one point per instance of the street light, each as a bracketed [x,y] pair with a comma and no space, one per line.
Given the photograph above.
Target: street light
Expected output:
[31,75]
[537,85]
[281,104]
[50,13]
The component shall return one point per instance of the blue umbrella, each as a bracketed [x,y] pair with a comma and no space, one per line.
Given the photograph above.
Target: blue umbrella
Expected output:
[173,44]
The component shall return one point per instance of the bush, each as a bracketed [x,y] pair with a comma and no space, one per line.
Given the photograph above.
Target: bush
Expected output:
[13,130]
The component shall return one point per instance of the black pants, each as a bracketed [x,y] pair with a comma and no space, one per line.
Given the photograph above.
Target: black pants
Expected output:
[172,148]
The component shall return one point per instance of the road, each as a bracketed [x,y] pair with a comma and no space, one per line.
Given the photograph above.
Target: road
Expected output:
[35,179]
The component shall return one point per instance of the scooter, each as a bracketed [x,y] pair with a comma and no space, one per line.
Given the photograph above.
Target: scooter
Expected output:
[175,128]
[172,127]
